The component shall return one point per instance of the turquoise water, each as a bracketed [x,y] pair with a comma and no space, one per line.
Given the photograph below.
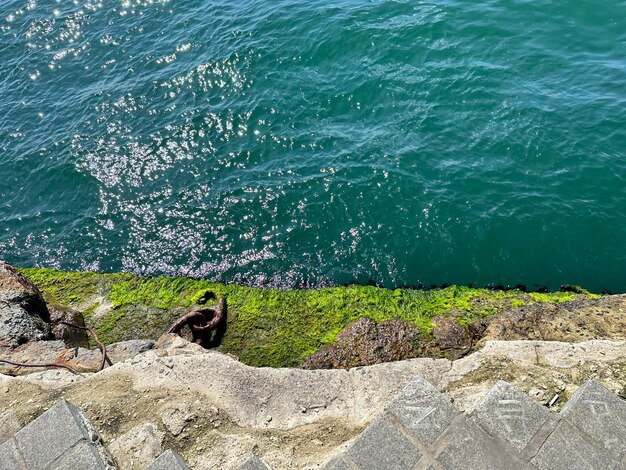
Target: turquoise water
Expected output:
[307,143]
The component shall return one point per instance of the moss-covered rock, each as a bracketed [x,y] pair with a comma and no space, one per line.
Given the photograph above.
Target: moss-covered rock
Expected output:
[266,327]
[364,342]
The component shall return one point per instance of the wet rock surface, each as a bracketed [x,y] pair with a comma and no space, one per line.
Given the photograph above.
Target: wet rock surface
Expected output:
[451,337]
[365,342]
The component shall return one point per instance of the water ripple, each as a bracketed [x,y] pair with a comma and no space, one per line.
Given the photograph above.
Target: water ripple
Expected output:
[306,144]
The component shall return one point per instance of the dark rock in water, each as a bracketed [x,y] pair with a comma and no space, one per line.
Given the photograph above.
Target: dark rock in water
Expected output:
[72,337]
[23,312]
[572,288]
[365,342]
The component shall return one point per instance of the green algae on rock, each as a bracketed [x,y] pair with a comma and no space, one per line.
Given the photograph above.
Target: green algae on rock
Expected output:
[266,327]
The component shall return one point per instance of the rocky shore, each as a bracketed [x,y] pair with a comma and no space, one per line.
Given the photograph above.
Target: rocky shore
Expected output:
[325,328]
[163,392]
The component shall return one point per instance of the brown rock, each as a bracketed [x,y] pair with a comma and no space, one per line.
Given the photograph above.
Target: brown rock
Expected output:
[72,337]
[171,341]
[449,334]
[573,321]
[81,359]
[365,342]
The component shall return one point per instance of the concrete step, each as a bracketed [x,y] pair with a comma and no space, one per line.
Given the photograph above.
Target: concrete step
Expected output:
[168,460]
[419,429]
[422,429]
[61,438]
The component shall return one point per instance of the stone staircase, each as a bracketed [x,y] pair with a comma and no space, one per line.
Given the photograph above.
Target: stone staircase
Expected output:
[422,429]
[419,429]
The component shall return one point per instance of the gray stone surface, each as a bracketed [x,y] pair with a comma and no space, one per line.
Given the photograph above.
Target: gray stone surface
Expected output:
[9,456]
[51,435]
[510,414]
[169,460]
[467,447]
[423,410]
[600,414]
[337,463]
[383,446]
[83,456]
[421,429]
[126,349]
[61,438]
[253,463]
[569,449]
[9,424]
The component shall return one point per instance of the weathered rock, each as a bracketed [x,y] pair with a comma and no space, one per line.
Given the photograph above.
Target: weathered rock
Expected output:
[314,412]
[172,344]
[124,350]
[574,321]
[550,366]
[23,312]
[451,336]
[81,359]
[9,424]
[170,341]
[175,418]
[365,342]
[138,447]
[33,352]
[72,337]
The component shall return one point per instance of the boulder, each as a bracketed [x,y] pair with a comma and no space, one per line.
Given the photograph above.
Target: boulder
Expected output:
[365,342]
[451,337]
[138,447]
[72,337]
[23,313]
[80,359]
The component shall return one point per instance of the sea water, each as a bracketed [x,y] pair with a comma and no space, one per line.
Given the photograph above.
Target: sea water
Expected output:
[308,143]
